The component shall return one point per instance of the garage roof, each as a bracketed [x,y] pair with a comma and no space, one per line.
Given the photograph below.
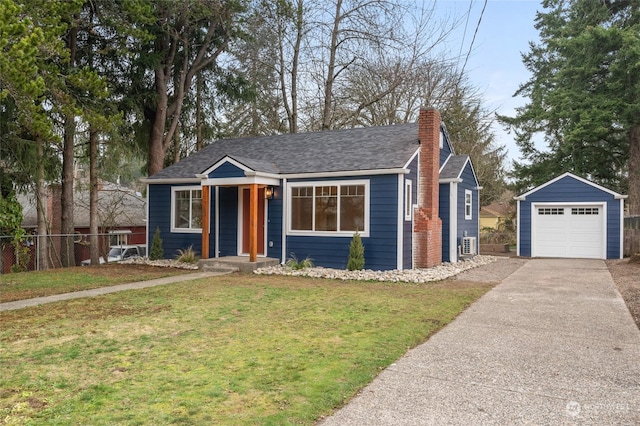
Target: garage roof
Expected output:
[567,174]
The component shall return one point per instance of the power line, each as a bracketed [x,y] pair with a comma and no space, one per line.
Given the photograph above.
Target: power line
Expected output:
[466,24]
[474,38]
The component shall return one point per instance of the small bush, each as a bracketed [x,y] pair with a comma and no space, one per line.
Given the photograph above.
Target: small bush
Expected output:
[296,264]
[356,253]
[156,252]
[187,256]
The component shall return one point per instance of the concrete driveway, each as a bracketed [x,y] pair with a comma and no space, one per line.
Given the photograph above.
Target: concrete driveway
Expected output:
[552,344]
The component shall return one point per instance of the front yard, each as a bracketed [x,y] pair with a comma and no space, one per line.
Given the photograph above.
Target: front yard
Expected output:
[64,280]
[237,349]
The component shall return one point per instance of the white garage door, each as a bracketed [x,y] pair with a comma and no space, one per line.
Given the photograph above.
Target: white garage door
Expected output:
[568,231]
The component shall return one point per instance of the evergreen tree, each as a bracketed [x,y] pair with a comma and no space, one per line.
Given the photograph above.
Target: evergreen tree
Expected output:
[356,253]
[156,252]
[584,96]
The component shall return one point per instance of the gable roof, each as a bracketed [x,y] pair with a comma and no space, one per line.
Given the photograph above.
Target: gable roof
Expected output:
[453,168]
[497,209]
[570,175]
[370,148]
[118,206]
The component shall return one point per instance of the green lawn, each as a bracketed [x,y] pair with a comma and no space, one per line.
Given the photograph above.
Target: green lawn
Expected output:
[236,349]
[26,285]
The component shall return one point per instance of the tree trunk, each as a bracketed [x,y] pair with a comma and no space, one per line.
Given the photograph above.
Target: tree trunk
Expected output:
[156,137]
[633,202]
[67,255]
[41,207]
[67,228]
[293,127]
[176,145]
[94,249]
[331,67]
[199,83]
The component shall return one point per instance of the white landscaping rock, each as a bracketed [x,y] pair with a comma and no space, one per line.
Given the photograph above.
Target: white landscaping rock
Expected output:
[166,263]
[436,273]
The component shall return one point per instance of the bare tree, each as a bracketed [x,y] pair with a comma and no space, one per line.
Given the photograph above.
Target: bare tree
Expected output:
[362,32]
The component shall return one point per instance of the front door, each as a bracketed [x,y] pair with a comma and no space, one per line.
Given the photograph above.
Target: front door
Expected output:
[245,220]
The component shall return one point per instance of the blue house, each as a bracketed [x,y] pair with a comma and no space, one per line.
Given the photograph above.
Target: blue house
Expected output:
[413,201]
[570,217]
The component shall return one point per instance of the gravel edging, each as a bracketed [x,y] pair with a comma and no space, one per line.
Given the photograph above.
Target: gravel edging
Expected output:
[437,273]
[164,263]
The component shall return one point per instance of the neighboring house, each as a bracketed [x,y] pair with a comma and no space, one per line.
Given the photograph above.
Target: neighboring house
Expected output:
[401,187]
[496,214]
[121,216]
[570,217]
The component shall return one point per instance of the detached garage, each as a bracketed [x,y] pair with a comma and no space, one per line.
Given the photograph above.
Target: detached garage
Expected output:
[570,217]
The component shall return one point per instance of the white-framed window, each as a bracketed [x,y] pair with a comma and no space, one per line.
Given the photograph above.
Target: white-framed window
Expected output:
[186,209]
[468,204]
[550,211]
[408,200]
[585,211]
[328,208]
[119,237]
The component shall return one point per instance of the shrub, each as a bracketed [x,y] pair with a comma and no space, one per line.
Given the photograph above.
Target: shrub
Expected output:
[187,256]
[21,252]
[156,252]
[294,263]
[356,253]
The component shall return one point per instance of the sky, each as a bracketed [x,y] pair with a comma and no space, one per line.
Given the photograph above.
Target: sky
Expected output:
[495,63]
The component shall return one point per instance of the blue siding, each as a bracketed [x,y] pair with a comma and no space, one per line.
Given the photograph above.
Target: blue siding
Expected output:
[468,227]
[228,221]
[407,228]
[212,221]
[445,215]
[380,246]
[524,230]
[160,217]
[226,170]
[274,225]
[446,150]
[570,190]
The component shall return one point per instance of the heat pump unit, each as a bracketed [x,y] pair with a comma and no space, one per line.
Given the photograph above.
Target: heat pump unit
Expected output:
[469,245]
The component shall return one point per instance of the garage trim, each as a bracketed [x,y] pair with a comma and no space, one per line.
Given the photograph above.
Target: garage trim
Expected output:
[601,205]
[583,238]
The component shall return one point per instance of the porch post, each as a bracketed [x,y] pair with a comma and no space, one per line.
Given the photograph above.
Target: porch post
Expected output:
[253,223]
[206,190]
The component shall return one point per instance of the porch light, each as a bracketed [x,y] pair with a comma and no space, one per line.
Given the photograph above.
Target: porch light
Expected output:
[268,192]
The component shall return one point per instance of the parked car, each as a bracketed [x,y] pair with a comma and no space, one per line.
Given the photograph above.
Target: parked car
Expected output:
[118,253]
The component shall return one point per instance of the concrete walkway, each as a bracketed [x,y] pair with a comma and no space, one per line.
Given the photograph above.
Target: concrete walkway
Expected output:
[19,304]
[552,344]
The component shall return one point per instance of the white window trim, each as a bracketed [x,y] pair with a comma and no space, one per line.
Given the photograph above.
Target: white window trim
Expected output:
[408,200]
[470,215]
[363,232]
[175,189]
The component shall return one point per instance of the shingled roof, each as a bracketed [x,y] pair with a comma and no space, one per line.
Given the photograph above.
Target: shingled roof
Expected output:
[454,166]
[371,148]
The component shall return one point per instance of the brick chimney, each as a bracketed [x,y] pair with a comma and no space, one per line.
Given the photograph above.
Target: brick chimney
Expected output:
[427,225]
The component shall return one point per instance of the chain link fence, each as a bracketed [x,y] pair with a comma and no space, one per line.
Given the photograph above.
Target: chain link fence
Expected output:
[39,252]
